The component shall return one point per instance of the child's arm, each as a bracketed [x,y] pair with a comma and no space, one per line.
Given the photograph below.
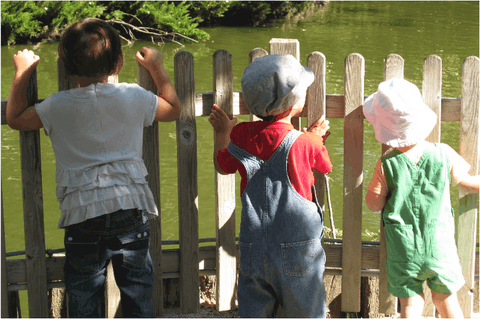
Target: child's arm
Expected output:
[168,108]
[377,189]
[19,116]
[375,202]
[470,184]
[459,172]
[222,126]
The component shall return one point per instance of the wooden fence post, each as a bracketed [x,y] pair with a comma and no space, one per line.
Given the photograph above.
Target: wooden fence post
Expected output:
[394,66]
[33,214]
[113,305]
[187,183]
[283,47]
[4,267]
[256,53]
[225,191]
[152,162]
[353,183]
[468,203]
[316,108]
[432,93]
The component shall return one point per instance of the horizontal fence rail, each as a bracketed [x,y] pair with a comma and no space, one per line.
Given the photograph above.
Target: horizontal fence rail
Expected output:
[351,258]
[335,104]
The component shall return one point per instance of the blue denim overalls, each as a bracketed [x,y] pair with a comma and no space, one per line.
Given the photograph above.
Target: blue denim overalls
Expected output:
[282,260]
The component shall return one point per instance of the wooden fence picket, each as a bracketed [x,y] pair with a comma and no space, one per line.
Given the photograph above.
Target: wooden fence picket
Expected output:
[187,182]
[468,203]
[4,265]
[394,66]
[431,93]
[256,53]
[113,304]
[316,106]
[283,47]
[33,213]
[225,191]
[151,157]
[352,182]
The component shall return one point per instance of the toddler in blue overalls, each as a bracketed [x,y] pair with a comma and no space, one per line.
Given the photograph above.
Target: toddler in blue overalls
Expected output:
[281,257]
[411,185]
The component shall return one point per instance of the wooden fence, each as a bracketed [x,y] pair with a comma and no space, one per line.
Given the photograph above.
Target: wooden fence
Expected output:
[38,274]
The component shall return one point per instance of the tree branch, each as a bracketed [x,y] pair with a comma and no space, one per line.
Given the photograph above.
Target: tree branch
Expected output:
[153,32]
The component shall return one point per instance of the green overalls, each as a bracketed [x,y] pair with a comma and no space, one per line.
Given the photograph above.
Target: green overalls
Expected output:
[419,224]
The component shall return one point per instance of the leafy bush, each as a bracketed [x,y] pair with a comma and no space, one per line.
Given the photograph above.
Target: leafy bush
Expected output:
[31,21]
[26,21]
[170,17]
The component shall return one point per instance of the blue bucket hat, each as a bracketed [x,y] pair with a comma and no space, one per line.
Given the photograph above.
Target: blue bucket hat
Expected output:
[274,83]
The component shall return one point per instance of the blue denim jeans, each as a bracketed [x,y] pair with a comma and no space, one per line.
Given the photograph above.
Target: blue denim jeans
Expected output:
[122,238]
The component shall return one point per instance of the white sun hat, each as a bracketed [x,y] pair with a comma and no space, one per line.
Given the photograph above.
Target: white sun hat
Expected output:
[398,114]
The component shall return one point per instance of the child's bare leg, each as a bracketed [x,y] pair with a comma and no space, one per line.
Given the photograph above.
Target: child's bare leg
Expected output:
[412,307]
[447,305]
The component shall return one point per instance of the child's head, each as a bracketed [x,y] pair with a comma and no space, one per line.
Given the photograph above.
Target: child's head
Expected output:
[272,84]
[91,48]
[398,114]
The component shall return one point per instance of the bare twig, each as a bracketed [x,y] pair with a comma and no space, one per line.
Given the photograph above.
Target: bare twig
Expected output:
[153,32]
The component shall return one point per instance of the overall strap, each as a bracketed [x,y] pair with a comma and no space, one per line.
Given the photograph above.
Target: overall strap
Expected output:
[253,163]
[282,151]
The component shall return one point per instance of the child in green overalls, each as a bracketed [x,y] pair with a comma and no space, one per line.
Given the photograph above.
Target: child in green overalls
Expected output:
[411,185]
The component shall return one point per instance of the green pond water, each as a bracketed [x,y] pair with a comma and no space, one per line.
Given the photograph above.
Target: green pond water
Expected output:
[374,29]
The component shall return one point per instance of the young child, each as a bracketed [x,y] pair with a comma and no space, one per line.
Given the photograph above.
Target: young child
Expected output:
[411,185]
[282,260]
[96,131]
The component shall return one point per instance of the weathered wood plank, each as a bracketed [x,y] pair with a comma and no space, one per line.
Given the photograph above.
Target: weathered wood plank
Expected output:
[16,273]
[4,268]
[335,106]
[283,47]
[225,191]
[33,213]
[111,290]
[431,93]
[113,307]
[187,182]
[353,182]
[316,99]
[255,53]
[151,158]
[468,203]
[394,66]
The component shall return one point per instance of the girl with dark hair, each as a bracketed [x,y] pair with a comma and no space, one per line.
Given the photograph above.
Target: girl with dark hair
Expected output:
[96,129]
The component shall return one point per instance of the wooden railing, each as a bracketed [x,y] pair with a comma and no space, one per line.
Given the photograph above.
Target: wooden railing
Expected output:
[37,274]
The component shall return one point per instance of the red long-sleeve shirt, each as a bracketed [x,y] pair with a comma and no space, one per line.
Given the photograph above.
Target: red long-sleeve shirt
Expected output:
[262,139]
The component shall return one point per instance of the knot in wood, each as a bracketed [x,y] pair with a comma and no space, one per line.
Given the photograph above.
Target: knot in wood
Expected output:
[187,134]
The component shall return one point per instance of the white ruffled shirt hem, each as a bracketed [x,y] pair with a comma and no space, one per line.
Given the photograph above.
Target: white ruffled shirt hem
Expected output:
[103,189]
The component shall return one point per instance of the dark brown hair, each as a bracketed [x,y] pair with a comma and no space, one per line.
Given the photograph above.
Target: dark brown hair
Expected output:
[91,48]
